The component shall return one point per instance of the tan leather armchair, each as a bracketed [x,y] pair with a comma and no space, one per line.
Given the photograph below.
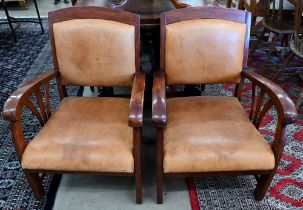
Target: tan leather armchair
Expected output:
[91,47]
[213,135]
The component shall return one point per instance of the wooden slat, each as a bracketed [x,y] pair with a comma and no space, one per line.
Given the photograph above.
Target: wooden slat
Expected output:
[259,103]
[48,105]
[41,104]
[35,111]
[264,110]
[253,96]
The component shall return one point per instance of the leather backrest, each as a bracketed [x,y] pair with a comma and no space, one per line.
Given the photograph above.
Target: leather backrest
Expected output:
[204,51]
[95,52]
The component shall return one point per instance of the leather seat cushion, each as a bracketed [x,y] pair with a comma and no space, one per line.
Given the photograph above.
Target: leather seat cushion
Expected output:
[84,134]
[210,134]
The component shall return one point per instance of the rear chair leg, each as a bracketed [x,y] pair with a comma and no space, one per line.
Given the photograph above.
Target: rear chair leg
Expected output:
[260,37]
[262,186]
[35,183]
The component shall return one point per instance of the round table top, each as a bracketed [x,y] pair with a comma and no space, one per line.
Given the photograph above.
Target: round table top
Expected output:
[149,10]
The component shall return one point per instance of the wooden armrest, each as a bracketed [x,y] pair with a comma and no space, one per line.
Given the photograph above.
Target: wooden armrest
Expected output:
[159,100]
[14,105]
[135,118]
[286,108]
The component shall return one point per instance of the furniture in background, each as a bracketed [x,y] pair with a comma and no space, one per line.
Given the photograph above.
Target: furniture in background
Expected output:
[15,23]
[296,46]
[212,135]
[280,22]
[9,21]
[256,7]
[84,134]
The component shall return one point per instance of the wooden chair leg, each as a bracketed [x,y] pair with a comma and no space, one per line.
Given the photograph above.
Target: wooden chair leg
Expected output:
[9,20]
[228,3]
[262,186]
[253,22]
[80,91]
[137,159]
[202,87]
[138,187]
[159,166]
[35,183]
[38,14]
[173,89]
[281,69]
[159,186]
[260,37]
[271,51]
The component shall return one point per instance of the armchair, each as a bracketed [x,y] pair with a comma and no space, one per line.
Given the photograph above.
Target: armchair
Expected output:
[212,135]
[95,47]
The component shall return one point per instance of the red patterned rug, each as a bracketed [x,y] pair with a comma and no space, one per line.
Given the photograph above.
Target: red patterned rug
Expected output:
[286,191]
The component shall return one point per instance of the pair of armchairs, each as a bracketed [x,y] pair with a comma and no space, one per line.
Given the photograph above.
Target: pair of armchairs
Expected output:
[196,136]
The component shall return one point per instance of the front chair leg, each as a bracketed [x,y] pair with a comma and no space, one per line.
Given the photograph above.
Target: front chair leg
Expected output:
[262,186]
[159,166]
[137,158]
[35,183]
[138,187]
[159,186]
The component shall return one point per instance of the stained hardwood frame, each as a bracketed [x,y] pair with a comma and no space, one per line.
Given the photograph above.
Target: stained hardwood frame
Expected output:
[22,97]
[277,98]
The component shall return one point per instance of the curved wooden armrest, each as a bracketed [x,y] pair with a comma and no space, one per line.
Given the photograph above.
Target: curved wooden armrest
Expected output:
[159,100]
[13,106]
[135,118]
[286,108]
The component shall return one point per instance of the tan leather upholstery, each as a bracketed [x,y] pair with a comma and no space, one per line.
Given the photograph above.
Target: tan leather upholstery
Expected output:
[204,51]
[209,134]
[95,52]
[84,134]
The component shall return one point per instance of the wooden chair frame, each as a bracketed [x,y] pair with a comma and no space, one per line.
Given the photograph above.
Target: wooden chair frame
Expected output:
[277,97]
[20,99]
